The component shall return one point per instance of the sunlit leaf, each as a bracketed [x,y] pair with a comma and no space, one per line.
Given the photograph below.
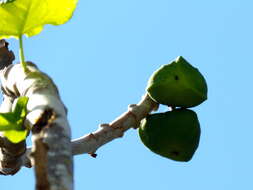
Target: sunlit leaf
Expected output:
[6,1]
[7,121]
[28,16]
[12,123]
[16,136]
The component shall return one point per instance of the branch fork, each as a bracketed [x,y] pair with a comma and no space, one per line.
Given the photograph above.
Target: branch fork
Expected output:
[52,150]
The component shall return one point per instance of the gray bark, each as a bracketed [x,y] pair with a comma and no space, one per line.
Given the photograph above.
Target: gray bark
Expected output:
[51,153]
[52,150]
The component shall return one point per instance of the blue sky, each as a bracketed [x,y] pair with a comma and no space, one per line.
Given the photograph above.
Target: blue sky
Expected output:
[101,61]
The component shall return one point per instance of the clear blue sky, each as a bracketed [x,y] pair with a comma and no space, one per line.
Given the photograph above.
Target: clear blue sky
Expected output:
[101,61]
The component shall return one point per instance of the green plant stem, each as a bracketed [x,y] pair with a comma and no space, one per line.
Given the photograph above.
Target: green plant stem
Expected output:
[21,53]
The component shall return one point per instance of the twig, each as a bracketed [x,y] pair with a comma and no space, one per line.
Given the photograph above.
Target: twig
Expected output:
[47,119]
[89,144]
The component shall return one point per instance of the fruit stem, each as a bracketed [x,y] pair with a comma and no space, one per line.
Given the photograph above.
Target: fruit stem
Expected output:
[21,53]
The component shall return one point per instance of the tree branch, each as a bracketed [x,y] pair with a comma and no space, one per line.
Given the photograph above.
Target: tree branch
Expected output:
[108,132]
[47,119]
[51,153]
[89,143]
[10,154]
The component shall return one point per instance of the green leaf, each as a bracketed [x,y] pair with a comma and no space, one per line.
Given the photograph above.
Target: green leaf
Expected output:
[28,16]
[8,121]
[16,136]
[12,123]
[20,109]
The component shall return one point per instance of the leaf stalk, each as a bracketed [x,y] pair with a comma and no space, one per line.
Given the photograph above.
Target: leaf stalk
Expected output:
[21,53]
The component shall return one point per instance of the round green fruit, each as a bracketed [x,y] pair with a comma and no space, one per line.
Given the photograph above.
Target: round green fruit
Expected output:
[174,134]
[178,84]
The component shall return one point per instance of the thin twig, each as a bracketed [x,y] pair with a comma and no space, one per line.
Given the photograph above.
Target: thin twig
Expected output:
[88,144]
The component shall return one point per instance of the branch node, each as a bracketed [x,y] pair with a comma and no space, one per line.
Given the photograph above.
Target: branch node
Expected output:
[104,125]
[93,155]
[131,106]
[91,135]
[135,118]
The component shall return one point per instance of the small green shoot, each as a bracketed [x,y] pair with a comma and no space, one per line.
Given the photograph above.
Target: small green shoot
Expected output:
[20,109]
[12,123]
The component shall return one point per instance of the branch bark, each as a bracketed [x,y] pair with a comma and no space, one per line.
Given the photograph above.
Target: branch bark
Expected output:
[10,154]
[47,119]
[88,144]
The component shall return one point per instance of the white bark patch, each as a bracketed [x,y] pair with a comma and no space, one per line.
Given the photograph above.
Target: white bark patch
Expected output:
[55,135]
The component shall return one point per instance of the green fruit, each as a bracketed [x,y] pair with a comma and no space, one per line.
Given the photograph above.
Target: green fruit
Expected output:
[178,84]
[174,134]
